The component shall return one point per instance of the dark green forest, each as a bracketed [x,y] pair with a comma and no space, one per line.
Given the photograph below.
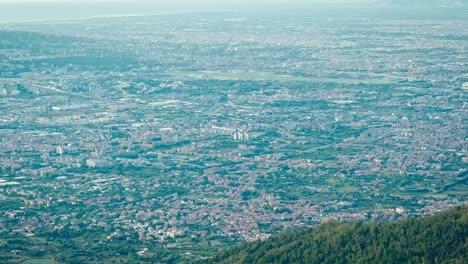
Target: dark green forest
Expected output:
[441,238]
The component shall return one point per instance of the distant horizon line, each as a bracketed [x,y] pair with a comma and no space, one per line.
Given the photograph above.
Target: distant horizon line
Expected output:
[48,16]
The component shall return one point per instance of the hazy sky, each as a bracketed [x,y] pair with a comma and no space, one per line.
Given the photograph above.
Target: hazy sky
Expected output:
[36,10]
[40,10]
[180,1]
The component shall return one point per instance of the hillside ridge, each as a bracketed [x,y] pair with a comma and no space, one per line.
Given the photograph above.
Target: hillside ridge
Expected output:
[441,238]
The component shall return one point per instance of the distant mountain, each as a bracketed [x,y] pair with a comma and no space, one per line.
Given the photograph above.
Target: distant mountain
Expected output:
[429,2]
[442,238]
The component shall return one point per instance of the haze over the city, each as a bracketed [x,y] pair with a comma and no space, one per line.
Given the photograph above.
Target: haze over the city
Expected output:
[53,10]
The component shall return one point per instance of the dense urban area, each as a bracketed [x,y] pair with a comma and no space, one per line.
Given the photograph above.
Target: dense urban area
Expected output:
[169,137]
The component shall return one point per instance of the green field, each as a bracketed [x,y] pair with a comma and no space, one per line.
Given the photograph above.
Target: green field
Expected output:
[39,261]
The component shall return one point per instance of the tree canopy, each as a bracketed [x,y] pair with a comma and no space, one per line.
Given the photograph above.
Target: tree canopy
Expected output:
[441,238]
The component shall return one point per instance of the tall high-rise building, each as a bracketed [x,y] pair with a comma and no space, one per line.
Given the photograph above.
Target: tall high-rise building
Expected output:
[59,150]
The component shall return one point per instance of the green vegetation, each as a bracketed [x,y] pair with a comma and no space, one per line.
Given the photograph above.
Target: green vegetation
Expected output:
[441,238]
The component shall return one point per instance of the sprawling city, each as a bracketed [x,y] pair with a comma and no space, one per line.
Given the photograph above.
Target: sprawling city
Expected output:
[166,138]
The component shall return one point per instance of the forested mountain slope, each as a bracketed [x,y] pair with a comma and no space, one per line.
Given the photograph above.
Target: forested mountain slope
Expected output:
[441,238]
